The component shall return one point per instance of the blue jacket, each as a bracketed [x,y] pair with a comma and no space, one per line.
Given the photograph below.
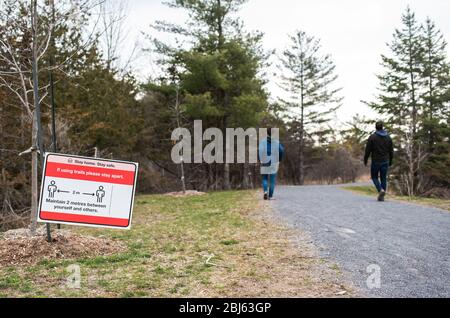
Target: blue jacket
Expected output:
[265,155]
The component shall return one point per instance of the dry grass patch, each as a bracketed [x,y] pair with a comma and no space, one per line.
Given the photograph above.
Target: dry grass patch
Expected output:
[188,193]
[19,248]
[221,244]
[272,261]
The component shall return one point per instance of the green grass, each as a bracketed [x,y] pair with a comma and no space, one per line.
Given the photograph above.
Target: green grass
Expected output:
[166,251]
[371,191]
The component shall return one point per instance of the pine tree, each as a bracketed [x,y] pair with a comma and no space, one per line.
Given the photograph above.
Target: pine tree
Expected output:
[309,79]
[399,101]
[414,101]
[435,130]
[220,69]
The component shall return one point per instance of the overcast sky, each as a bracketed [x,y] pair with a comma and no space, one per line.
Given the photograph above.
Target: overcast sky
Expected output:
[354,32]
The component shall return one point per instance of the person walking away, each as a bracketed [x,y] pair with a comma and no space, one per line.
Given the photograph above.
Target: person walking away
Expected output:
[381,149]
[271,153]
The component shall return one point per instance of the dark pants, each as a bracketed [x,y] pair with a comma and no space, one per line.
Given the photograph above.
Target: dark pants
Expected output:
[265,180]
[379,171]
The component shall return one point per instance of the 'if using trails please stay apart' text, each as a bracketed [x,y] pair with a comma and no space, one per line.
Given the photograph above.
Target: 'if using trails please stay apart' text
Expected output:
[90,173]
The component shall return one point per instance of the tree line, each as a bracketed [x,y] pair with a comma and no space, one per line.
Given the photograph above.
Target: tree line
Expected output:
[414,100]
[215,71]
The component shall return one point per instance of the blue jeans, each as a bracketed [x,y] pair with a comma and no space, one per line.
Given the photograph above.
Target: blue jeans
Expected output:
[265,180]
[379,171]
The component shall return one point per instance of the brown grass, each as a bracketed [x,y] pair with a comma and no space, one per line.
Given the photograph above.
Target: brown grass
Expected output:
[277,262]
[19,249]
[222,244]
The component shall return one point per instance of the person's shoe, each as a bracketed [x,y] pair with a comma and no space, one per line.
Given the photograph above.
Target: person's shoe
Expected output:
[266,197]
[381,195]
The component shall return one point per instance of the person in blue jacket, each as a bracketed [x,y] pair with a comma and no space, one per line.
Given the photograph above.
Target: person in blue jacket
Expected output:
[271,153]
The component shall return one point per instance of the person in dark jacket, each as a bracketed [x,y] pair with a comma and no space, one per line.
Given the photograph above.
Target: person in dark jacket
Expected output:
[381,149]
[271,153]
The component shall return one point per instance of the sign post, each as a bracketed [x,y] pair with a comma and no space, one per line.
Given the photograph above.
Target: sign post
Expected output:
[87,191]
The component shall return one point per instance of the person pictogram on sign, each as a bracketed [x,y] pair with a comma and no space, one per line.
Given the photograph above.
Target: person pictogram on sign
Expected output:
[100,194]
[52,188]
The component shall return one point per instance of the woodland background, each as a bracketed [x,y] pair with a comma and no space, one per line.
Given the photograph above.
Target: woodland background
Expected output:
[215,72]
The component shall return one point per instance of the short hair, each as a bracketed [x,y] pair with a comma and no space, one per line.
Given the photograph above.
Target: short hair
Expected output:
[379,125]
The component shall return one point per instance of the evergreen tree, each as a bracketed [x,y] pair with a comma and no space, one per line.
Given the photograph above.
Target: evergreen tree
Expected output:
[399,100]
[219,72]
[309,79]
[435,129]
[414,100]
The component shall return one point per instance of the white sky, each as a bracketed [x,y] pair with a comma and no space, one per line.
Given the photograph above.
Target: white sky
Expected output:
[354,32]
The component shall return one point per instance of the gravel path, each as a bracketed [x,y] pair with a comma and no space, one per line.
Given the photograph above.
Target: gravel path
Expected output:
[408,245]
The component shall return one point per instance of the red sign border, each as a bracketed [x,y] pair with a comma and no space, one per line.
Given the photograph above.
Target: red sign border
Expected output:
[48,154]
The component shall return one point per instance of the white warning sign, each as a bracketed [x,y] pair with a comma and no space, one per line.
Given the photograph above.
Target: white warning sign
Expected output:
[87,191]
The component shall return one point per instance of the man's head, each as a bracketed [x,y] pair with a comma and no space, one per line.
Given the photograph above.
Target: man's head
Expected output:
[379,125]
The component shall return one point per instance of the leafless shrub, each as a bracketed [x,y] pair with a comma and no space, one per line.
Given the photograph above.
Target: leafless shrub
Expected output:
[338,166]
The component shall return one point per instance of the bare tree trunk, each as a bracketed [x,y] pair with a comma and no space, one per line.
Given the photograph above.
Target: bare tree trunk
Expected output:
[217,179]
[34,176]
[245,175]
[178,115]
[35,142]
[183,181]
[226,176]
[251,177]
[220,42]
[409,148]
[210,177]
[411,175]
[301,155]
[226,166]
[37,128]
[301,163]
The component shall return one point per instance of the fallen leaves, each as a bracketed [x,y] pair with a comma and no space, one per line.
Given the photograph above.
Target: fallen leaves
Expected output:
[18,247]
